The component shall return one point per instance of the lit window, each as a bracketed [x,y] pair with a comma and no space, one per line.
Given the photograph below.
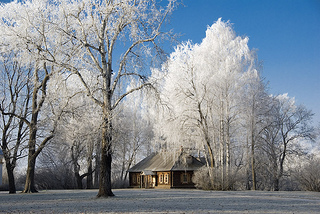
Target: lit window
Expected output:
[161,179]
[166,179]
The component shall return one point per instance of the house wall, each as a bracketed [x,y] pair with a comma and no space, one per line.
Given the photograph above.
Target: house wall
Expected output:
[149,181]
[164,180]
[137,180]
[182,179]
[134,179]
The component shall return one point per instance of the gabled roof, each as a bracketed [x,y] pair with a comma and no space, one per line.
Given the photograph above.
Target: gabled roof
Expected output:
[166,161]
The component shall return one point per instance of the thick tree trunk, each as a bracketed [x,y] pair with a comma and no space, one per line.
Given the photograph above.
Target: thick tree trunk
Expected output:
[106,144]
[90,177]
[276,186]
[97,165]
[76,167]
[79,180]
[106,159]
[105,171]
[12,186]
[29,186]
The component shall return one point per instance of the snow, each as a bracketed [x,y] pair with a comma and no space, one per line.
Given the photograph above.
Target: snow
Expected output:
[161,201]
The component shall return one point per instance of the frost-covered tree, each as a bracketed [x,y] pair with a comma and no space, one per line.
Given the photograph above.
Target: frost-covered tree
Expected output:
[133,134]
[111,38]
[202,89]
[78,130]
[25,27]
[256,106]
[289,124]
[15,96]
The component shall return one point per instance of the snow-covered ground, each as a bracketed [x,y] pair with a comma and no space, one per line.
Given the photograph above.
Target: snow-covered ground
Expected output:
[161,201]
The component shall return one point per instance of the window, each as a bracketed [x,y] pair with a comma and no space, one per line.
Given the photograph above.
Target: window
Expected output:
[138,179]
[161,179]
[166,179]
[134,179]
[184,178]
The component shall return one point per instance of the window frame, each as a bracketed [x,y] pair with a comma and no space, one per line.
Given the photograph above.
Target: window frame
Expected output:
[185,178]
[166,178]
[161,178]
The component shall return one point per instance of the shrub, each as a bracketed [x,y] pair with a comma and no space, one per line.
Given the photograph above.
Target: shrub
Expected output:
[309,175]
[202,178]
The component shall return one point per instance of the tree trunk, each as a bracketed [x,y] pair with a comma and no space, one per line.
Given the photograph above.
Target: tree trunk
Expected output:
[76,167]
[90,177]
[248,187]
[276,184]
[106,144]
[12,186]
[253,167]
[97,165]
[253,171]
[29,186]
[78,179]
[105,171]
[106,160]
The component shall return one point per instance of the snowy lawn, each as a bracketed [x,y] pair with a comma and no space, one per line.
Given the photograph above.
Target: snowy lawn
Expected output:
[161,201]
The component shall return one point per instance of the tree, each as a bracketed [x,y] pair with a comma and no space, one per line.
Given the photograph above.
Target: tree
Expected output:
[25,27]
[308,175]
[78,130]
[96,30]
[202,89]
[255,108]
[15,90]
[133,134]
[289,125]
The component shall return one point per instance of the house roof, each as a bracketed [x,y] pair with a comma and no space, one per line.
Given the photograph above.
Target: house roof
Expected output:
[166,161]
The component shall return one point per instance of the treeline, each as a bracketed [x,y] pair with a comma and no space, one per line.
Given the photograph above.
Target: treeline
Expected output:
[77,100]
[66,68]
[215,102]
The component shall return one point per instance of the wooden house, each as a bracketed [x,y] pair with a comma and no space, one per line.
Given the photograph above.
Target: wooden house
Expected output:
[164,170]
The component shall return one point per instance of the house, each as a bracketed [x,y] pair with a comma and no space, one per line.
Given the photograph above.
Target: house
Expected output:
[164,170]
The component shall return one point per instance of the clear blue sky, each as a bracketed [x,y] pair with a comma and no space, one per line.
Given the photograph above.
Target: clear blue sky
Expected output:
[285,32]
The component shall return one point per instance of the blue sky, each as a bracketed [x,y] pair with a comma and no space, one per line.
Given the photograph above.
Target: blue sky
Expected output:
[286,34]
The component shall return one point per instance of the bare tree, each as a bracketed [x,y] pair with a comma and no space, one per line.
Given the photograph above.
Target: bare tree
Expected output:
[289,125]
[24,27]
[97,30]
[15,90]
[133,134]
[308,175]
